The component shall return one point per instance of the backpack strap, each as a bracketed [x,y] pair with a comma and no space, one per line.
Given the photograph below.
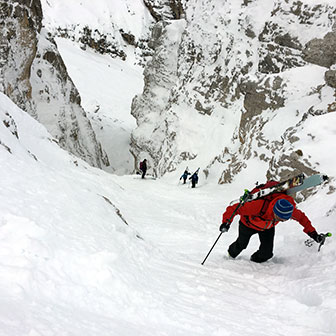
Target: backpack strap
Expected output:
[264,207]
[267,200]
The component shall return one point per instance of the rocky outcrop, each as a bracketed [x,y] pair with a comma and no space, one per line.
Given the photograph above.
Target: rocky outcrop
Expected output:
[18,41]
[106,30]
[165,9]
[58,106]
[160,76]
[34,76]
[321,51]
[278,50]
[330,78]
[235,74]
[100,42]
[259,97]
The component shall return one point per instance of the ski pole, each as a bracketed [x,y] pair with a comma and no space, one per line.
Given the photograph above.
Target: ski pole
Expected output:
[242,201]
[324,237]
[211,248]
[310,242]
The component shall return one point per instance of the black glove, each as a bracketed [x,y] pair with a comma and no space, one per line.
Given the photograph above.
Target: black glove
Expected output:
[317,237]
[224,227]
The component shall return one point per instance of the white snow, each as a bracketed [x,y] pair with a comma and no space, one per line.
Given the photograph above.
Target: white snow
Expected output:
[108,16]
[84,252]
[300,83]
[69,265]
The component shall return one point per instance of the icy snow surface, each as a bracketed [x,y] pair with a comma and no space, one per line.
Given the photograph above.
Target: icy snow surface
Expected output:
[70,265]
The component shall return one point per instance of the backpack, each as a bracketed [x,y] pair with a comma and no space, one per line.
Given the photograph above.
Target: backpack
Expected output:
[268,198]
[141,165]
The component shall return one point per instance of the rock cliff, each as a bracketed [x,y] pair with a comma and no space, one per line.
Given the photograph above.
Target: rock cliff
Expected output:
[34,76]
[233,81]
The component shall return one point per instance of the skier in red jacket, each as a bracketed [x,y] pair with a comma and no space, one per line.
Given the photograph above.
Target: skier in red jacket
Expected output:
[261,216]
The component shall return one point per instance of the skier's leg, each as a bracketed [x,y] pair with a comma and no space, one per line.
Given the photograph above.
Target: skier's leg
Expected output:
[265,251]
[242,241]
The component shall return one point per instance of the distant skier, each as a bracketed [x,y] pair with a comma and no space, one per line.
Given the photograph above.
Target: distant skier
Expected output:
[185,176]
[143,168]
[194,179]
[261,216]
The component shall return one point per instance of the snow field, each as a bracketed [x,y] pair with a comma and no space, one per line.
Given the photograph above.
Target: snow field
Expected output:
[70,265]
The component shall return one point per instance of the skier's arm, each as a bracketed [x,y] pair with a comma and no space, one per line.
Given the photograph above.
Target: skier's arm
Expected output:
[228,213]
[300,217]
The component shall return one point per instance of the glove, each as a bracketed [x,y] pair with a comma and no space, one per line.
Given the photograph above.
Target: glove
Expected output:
[224,227]
[317,237]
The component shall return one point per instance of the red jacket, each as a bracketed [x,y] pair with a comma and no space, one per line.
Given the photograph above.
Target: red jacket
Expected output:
[250,214]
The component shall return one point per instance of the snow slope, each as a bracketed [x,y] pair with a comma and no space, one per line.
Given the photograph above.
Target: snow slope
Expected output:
[70,264]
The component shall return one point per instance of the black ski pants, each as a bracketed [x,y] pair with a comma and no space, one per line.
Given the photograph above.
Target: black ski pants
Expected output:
[266,238]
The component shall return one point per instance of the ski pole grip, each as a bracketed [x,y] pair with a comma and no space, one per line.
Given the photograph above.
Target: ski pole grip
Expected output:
[245,196]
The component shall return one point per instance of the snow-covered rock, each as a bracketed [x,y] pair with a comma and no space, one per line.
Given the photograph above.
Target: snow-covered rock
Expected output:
[58,104]
[117,30]
[236,87]
[34,76]
[226,83]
